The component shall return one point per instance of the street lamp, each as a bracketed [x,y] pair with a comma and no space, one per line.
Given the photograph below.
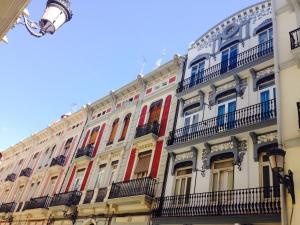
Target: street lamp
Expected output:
[57,13]
[276,160]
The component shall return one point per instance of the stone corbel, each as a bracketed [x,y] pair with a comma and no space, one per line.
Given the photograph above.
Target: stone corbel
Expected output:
[239,89]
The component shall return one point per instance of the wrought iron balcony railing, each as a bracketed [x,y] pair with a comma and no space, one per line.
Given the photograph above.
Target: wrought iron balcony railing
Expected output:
[251,201]
[101,194]
[88,197]
[143,186]
[67,198]
[87,151]
[11,177]
[26,172]
[295,38]
[240,118]
[7,207]
[37,203]
[242,59]
[147,129]
[58,161]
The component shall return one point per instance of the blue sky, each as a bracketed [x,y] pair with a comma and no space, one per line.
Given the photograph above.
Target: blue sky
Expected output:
[100,49]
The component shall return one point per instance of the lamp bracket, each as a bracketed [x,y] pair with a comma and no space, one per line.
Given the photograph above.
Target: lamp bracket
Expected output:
[32,27]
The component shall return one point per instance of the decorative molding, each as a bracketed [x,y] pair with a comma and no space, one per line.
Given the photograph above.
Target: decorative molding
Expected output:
[199,58]
[261,141]
[234,146]
[260,76]
[180,158]
[237,85]
[264,25]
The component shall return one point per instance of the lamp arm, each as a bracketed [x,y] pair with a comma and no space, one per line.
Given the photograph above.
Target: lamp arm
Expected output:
[31,27]
[288,181]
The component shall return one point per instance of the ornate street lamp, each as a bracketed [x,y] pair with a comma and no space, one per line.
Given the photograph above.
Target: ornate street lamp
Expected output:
[276,159]
[57,13]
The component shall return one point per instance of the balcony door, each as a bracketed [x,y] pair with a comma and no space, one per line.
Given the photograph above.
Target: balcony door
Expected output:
[100,176]
[143,164]
[155,110]
[197,73]
[267,178]
[263,38]
[78,180]
[266,95]
[182,188]
[113,172]
[189,120]
[51,186]
[229,59]
[222,178]
[228,108]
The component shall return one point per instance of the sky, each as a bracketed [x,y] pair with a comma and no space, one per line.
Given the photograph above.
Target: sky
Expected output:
[102,48]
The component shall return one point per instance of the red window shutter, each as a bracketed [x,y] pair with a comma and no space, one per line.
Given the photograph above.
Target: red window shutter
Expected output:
[156,158]
[130,165]
[85,139]
[98,140]
[71,179]
[142,116]
[165,116]
[86,176]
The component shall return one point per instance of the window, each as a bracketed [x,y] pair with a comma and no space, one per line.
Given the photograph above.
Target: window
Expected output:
[78,181]
[113,132]
[113,171]
[142,166]
[51,185]
[125,127]
[190,118]
[228,108]
[267,178]
[94,136]
[183,181]
[266,95]
[263,39]
[197,73]
[229,59]
[155,110]
[67,146]
[100,176]
[222,177]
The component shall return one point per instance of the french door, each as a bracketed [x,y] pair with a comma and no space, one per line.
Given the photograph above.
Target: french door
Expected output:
[197,74]
[229,108]
[229,59]
[182,186]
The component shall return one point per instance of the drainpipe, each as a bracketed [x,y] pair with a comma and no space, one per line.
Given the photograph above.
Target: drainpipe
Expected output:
[284,218]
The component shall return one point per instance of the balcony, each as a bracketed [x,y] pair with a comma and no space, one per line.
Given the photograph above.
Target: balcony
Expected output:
[87,151]
[11,177]
[149,128]
[143,186]
[246,58]
[58,161]
[295,39]
[38,203]
[7,207]
[236,121]
[240,202]
[26,172]
[66,199]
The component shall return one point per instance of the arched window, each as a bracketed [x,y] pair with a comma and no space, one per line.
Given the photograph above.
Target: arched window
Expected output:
[155,110]
[94,135]
[113,132]
[125,127]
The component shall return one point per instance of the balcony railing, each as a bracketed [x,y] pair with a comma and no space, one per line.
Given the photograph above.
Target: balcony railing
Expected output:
[222,68]
[147,129]
[240,118]
[143,186]
[26,172]
[38,203]
[67,198]
[7,207]
[58,161]
[88,197]
[11,177]
[87,151]
[295,38]
[101,194]
[252,201]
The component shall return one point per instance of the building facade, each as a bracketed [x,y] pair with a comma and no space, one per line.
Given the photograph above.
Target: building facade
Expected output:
[185,144]
[226,121]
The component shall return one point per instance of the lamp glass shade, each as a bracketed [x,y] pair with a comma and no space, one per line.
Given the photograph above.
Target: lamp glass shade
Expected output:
[53,18]
[276,159]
